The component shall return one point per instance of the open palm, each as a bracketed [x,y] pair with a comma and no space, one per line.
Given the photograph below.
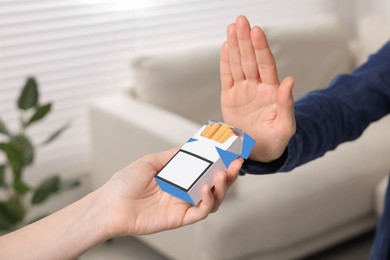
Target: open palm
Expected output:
[252,98]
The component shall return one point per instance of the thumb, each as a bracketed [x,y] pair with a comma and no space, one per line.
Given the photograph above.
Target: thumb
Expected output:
[285,104]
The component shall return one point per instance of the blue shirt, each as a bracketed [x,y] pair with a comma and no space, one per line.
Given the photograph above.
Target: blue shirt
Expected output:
[341,112]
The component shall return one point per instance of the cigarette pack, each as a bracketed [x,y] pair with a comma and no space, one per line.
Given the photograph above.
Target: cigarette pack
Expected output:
[212,148]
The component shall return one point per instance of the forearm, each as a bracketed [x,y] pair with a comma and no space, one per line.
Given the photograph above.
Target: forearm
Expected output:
[65,234]
[341,112]
[328,117]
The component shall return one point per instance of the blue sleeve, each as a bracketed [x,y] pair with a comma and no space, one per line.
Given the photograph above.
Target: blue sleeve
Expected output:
[339,113]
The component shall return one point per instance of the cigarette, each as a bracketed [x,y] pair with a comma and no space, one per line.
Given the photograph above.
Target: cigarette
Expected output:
[228,133]
[217,132]
[212,130]
[220,132]
[206,130]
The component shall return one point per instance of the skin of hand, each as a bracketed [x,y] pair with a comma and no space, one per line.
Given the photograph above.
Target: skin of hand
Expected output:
[130,203]
[251,97]
[141,207]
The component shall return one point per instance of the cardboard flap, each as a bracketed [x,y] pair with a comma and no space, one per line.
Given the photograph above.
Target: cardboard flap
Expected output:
[247,146]
[226,156]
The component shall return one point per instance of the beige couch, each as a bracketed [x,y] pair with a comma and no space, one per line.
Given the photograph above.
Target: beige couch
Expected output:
[279,216]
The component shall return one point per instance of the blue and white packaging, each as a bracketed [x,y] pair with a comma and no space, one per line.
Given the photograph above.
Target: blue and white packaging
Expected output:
[198,160]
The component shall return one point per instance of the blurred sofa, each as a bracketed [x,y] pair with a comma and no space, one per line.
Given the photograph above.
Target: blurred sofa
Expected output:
[280,216]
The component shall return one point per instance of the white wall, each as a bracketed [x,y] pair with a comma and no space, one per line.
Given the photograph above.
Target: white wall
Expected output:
[352,10]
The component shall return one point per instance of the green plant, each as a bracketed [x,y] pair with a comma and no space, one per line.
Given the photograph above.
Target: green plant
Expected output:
[17,196]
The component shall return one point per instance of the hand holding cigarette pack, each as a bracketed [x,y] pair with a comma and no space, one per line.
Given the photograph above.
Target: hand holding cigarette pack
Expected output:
[211,149]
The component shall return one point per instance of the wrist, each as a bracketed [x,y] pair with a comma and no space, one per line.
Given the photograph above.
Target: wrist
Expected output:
[253,166]
[117,213]
[275,160]
[83,221]
[90,219]
[266,155]
[103,210]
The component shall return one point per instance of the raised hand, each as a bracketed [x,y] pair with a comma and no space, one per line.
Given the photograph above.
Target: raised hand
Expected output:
[252,98]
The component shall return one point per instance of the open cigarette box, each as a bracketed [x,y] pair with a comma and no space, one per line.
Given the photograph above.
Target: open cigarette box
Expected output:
[211,149]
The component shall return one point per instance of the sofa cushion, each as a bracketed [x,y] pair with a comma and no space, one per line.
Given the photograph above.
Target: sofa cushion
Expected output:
[184,81]
[312,53]
[380,195]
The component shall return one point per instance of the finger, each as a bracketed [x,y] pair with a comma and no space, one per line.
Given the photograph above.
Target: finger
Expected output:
[234,54]
[248,58]
[226,75]
[285,105]
[158,160]
[233,171]
[265,59]
[220,188]
[203,209]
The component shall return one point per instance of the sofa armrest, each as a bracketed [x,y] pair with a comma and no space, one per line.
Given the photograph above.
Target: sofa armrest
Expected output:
[123,129]
[380,194]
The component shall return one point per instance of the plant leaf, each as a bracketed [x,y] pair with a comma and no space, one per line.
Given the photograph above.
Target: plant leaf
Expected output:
[11,213]
[7,218]
[48,187]
[56,134]
[3,128]
[40,113]
[24,145]
[29,95]
[15,158]
[21,187]
[2,176]
[69,184]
